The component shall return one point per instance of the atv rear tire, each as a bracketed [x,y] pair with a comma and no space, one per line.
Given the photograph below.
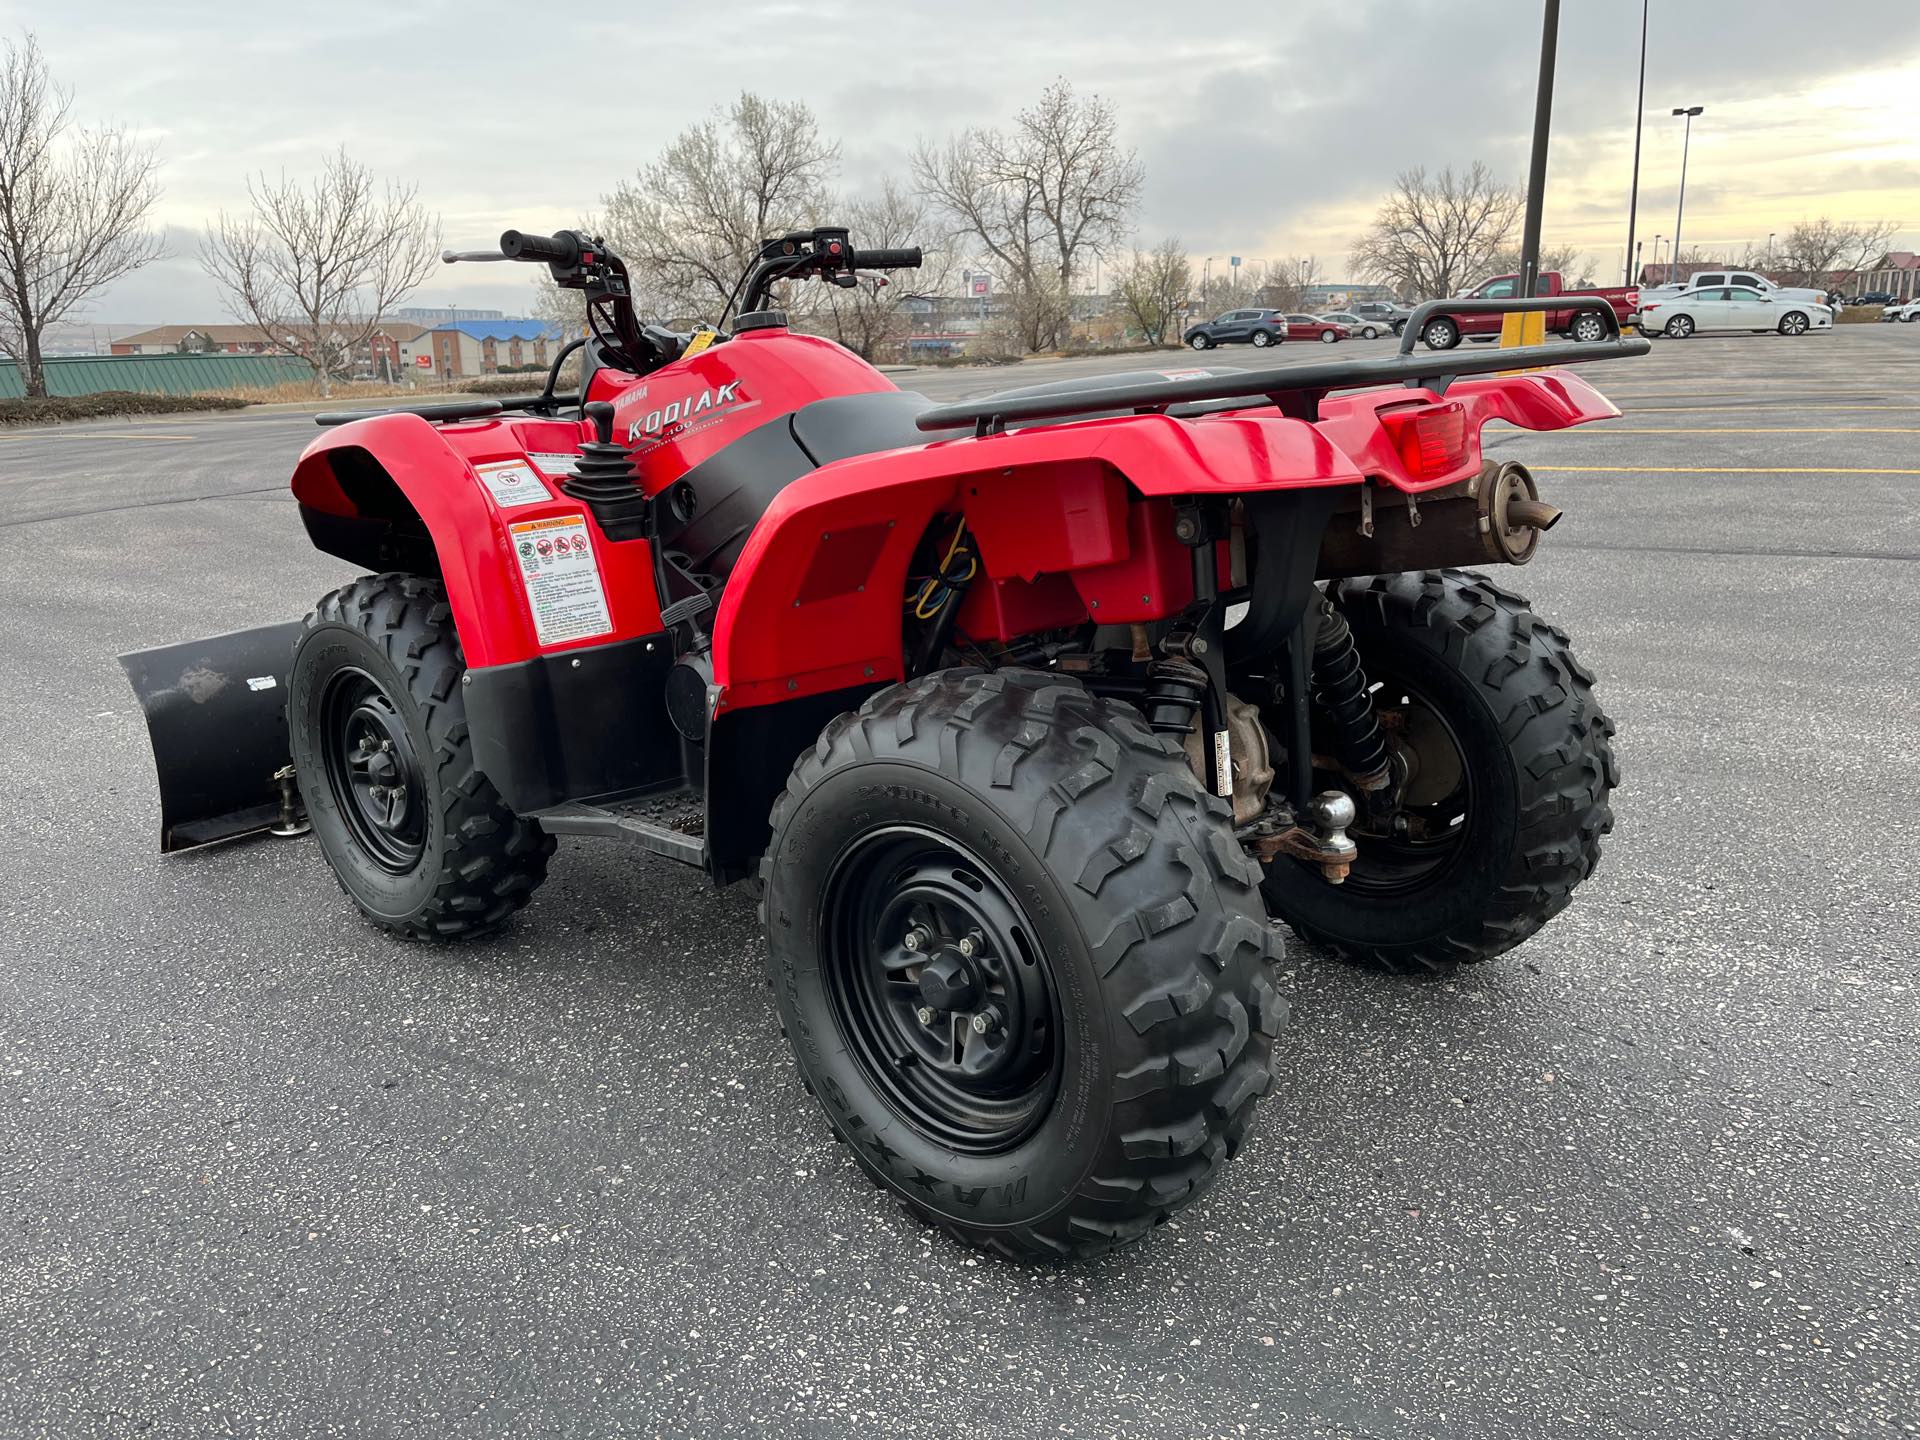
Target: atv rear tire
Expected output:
[1107,901]
[376,683]
[1530,769]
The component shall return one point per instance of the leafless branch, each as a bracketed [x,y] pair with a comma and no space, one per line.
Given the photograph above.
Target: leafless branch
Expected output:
[1040,200]
[318,264]
[1435,234]
[74,205]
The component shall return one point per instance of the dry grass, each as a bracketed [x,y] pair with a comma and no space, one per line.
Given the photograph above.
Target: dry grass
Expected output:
[306,390]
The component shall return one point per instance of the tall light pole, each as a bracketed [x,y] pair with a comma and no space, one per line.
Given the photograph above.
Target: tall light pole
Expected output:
[1685,145]
[1639,114]
[1537,168]
[1656,250]
[1770,249]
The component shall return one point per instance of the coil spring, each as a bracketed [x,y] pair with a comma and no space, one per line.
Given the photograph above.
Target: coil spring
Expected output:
[1175,689]
[1340,694]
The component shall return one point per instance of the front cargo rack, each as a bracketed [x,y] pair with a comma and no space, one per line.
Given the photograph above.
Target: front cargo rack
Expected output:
[1295,389]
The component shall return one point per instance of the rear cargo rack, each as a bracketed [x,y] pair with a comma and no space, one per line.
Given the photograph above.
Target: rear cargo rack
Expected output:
[1295,389]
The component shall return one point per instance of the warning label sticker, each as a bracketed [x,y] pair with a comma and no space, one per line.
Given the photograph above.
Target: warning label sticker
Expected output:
[511,483]
[555,462]
[562,578]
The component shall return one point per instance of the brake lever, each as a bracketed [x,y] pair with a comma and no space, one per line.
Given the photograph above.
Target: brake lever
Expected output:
[449,257]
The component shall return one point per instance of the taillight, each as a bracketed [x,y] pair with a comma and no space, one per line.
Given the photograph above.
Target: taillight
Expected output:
[1430,441]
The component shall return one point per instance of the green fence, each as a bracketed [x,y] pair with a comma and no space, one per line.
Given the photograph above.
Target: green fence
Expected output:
[157,374]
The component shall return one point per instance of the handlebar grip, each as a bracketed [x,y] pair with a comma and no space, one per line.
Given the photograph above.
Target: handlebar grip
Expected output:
[553,249]
[906,259]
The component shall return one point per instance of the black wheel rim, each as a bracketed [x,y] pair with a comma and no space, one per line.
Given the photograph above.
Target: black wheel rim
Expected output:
[920,937]
[373,770]
[1427,835]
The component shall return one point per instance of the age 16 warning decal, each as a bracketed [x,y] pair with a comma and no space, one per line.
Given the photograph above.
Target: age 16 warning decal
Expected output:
[511,483]
[562,579]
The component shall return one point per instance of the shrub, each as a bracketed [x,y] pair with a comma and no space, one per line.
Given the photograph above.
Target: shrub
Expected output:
[107,404]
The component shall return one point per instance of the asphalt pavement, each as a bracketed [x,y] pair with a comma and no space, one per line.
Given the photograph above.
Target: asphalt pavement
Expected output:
[267,1172]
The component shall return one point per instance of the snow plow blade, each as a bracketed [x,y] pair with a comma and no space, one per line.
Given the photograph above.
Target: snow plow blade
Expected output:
[216,714]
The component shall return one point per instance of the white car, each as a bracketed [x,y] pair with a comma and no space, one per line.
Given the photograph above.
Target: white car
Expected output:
[1906,313]
[1711,308]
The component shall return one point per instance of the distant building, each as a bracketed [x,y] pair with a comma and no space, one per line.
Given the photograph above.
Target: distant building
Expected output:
[1338,294]
[428,316]
[380,357]
[480,347]
[1897,271]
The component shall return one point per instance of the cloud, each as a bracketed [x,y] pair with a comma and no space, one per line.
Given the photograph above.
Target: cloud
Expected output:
[1265,131]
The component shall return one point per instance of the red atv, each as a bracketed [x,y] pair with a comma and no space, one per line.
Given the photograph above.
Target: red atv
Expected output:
[1025,714]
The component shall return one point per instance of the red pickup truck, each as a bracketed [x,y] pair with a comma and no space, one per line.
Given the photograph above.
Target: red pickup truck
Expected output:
[1581,320]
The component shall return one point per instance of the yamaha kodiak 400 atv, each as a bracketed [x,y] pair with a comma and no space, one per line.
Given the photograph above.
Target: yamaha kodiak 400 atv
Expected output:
[1025,714]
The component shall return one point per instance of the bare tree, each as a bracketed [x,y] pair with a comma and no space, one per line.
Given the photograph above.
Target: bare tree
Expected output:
[1824,251]
[1435,234]
[1153,288]
[318,264]
[1041,200]
[1288,281]
[1570,260]
[871,319]
[73,207]
[692,221]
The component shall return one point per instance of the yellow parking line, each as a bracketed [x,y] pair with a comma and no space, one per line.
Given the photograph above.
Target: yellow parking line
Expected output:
[1715,470]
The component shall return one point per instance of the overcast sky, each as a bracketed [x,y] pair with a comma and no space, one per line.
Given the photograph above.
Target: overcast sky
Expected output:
[1266,130]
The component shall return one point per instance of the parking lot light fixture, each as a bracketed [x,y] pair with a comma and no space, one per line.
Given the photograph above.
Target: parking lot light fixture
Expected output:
[1686,145]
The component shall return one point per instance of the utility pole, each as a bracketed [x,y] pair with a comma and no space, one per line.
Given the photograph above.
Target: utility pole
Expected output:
[1639,115]
[1530,329]
[1686,145]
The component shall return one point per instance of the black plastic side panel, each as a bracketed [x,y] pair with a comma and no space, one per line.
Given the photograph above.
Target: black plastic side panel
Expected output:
[216,714]
[577,725]
[732,490]
[749,756]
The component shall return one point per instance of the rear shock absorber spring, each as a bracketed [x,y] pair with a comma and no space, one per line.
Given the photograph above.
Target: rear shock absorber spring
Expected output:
[1175,690]
[1341,696]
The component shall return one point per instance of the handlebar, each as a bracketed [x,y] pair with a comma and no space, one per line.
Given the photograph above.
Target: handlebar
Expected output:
[903,259]
[562,249]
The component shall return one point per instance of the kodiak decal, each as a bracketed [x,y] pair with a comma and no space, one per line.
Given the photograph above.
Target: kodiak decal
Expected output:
[669,419]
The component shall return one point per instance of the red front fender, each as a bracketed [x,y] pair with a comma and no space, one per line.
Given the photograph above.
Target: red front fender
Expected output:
[433,469]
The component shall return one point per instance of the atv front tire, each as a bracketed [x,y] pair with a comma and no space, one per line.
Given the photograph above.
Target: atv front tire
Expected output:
[1006,844]
[416,835]
[1510,777]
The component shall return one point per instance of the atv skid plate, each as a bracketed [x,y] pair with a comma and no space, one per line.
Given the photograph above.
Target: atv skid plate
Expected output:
[217,716]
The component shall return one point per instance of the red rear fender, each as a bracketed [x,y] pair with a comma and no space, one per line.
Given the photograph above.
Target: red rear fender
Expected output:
[1539,400]
[814,603]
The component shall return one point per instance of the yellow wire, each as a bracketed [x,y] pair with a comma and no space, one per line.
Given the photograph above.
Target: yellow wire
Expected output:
[934,582]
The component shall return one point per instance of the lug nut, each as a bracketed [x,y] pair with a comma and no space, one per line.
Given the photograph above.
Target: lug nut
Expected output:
[969,945]
[982,1023]
[915,938]
[925,1015]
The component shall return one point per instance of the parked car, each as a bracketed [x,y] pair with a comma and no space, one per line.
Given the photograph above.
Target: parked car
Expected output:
[1238,327]
[1582,319]
[1875,297]
[1707,279]
[1313,327]
[1360,325]
[1391,311]
[1729,308]
[1905,314]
